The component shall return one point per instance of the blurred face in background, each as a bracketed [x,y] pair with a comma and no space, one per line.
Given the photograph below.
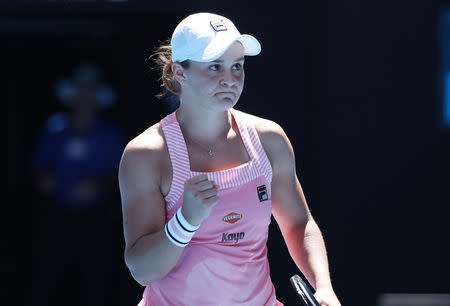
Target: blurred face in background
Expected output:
[85,98]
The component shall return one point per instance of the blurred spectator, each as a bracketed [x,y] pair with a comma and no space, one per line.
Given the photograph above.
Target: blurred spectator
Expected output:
[75,165]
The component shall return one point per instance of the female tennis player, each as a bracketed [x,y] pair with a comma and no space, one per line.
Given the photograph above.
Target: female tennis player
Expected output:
[198,188]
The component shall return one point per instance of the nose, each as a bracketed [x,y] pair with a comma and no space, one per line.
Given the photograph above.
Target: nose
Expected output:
[228,80]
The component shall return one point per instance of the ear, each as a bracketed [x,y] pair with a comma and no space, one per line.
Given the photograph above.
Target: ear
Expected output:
[178,73]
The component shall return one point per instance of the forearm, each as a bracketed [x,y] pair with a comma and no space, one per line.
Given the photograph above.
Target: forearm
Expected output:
[152,257]
[307,248]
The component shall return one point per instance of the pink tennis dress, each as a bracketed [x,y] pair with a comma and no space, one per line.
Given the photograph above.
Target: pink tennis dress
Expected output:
[226,261]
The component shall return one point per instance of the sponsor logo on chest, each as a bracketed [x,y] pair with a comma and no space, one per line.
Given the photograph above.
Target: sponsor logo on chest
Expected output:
[232,237]
[262,193]
[232,218]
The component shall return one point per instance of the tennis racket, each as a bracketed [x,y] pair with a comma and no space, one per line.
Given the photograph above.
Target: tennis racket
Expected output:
[304,291]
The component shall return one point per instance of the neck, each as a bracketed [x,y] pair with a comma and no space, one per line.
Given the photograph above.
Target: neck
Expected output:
[205,126]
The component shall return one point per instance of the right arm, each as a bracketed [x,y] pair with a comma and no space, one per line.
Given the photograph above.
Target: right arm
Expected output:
[149,255]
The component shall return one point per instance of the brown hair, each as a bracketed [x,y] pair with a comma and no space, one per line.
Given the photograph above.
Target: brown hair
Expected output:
[162,58]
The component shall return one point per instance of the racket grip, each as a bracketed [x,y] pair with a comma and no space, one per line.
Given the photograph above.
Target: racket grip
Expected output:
[303,292]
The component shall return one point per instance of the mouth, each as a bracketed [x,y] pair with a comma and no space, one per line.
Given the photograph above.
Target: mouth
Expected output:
[225,93]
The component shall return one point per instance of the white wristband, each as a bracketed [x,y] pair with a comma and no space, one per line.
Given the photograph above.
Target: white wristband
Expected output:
[179,230]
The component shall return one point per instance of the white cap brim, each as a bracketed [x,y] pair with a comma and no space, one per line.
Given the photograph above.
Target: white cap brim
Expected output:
[216,49]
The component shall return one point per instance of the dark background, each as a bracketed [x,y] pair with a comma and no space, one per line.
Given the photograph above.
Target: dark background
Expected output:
[353,83]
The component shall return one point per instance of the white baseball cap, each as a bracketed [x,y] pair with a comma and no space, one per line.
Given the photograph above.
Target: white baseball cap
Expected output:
[204,37]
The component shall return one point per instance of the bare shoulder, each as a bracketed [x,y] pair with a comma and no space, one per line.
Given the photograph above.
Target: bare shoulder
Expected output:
[150,140]
[273,138]
[143,157]
[147,146]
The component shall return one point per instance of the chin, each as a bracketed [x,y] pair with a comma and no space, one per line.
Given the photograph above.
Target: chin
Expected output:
[224,103]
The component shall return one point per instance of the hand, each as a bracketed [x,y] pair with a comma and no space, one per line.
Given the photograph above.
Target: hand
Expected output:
[200,196]
[326,297]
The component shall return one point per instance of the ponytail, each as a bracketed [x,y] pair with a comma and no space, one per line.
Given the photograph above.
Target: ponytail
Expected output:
[162,58]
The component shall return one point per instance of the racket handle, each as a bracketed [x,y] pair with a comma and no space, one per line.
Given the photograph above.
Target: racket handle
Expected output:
[303,292]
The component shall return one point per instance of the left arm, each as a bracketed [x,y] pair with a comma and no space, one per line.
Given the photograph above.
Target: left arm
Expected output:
[300,232]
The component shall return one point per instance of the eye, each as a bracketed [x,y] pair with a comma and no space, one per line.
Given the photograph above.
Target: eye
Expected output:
[237,66]
[214,67]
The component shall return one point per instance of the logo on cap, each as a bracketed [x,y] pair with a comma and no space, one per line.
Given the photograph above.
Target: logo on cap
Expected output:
[218,25]
[232,218]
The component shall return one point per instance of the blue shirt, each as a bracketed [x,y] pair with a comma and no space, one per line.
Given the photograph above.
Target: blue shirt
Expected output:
[72,158]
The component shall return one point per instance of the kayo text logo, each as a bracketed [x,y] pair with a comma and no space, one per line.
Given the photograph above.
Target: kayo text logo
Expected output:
[227,237]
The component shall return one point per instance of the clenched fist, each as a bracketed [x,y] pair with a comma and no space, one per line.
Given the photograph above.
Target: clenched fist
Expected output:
[200,196]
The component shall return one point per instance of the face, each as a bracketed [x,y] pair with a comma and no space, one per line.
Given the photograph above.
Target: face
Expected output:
[217,84]
[85,99]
